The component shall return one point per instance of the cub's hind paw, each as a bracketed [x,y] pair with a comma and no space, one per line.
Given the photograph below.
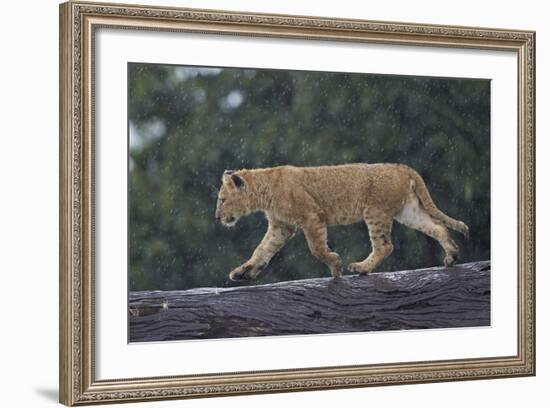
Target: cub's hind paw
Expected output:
[450,260]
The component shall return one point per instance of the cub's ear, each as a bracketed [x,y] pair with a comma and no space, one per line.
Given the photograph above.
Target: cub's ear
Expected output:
[238,181]
[230,177]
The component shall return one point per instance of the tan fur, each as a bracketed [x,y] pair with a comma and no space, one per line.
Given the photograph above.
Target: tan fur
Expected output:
[311,198]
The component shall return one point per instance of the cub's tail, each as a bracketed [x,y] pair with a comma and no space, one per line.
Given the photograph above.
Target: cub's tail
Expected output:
[419,187]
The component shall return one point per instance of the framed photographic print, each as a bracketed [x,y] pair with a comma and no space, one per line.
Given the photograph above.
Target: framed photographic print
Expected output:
[261,203]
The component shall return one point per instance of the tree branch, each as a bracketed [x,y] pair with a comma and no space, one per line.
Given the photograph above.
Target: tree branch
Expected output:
[436,297]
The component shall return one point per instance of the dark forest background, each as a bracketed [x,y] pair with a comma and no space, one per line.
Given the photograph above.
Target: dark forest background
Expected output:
[189,124]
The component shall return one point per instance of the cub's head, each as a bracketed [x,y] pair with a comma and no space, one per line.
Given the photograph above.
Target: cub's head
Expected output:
[232,199]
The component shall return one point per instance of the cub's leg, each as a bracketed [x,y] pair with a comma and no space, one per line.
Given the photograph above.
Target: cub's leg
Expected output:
[413,215]
[380,227]
[277,235]
[316,236]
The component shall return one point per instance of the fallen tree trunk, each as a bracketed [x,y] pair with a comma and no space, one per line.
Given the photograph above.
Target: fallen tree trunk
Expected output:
[439,297]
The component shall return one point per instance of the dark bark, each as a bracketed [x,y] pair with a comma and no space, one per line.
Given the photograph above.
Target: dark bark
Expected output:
[437,297]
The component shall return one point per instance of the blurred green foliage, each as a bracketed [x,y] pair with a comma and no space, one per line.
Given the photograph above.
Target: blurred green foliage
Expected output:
[188,124]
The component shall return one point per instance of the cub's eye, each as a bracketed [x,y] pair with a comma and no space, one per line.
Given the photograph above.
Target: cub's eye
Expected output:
[222,200]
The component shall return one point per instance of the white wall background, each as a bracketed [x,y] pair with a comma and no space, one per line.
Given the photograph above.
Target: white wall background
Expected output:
[29,191]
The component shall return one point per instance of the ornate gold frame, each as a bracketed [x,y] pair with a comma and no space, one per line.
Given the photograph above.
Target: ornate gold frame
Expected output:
[78,22]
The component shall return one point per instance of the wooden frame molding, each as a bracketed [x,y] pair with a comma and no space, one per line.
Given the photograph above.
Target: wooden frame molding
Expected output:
[78,22]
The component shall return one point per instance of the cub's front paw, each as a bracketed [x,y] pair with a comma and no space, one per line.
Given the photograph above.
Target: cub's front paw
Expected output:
[336,269]
[244,272]
[358,267]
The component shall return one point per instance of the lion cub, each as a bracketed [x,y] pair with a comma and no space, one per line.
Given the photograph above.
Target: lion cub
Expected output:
[311,198]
